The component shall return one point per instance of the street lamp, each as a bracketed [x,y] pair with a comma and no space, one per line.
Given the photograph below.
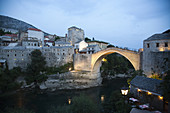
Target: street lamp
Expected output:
[124,91]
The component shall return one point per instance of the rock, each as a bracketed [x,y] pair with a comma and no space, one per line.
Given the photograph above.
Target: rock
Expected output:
[43,86]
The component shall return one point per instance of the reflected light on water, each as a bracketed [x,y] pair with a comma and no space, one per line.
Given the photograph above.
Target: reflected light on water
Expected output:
[69,101]
[102,98]
[20,102]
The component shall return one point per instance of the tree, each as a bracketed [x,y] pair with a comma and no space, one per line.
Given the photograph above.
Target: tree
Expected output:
[83,104]
[166,86]
[134,74]
[36,68]
[7,79]
[87,39]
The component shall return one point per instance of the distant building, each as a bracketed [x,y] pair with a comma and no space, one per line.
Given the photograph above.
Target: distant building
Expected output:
[156,54]
[75,35]
[102,45]
[6,39]
[36,33]
[147,90]
[62,43]
[90,49]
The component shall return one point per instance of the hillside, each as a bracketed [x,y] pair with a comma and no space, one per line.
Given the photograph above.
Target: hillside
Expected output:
[11,23]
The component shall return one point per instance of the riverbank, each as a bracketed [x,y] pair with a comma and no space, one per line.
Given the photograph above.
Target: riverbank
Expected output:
[42,100]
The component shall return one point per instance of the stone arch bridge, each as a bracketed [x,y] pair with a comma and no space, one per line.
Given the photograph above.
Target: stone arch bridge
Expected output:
[92,62]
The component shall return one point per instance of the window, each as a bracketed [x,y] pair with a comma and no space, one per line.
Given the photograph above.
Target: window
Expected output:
[166,44]
[8,55]
[63,53]
[22,55]
[15,54]
[157,44]
[148,46]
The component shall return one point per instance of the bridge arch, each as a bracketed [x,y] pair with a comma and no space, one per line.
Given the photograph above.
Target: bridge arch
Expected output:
[132,56]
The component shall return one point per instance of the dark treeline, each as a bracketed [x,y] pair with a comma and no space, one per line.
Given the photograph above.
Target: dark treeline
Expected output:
[115,64]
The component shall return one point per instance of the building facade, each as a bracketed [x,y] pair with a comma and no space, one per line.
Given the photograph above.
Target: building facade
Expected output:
[20,55]
[156,54]
[75,35]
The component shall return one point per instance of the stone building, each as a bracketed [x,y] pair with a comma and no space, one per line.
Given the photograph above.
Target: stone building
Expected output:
[156,54]
[101,44]
[36,33]
[148,90]
[75,35]
[20,55]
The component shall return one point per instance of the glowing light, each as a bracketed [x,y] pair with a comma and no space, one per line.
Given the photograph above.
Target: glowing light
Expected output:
[104,60]
[161,49]
[102,98]
[69,101]
[139,90]
[161,97]
[149,93]
[69,69]
[124,91]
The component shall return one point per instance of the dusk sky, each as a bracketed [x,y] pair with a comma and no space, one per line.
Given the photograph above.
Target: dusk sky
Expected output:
[124,23]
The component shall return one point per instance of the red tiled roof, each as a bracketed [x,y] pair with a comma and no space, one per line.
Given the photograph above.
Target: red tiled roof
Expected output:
[11,35]
[34,29]
[46,37]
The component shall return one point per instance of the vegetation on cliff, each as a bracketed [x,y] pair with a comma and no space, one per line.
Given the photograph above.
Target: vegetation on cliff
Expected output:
[115,64]
[35,71]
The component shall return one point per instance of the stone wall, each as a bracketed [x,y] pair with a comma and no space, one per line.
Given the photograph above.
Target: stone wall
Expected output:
[75,34]
[71,80]
[156,59]
[82,62]
[20,56]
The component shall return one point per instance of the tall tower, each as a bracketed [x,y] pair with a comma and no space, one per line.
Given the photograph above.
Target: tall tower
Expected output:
[75,35]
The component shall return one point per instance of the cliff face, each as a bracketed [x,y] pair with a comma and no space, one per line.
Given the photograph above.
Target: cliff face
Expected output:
[11,23]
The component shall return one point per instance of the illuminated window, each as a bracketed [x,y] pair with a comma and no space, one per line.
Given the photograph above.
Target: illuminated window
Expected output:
[166,44]
[157,44]
[148,46]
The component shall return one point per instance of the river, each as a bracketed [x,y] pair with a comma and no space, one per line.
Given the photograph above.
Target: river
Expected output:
[40,102]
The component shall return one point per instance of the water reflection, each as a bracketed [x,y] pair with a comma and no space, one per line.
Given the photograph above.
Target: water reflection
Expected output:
[102,98]
[69,101]
[20,101]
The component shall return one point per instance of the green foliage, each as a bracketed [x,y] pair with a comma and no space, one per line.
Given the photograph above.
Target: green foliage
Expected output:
[61,69]
[166,86]
[36,68]
[7,79]
[115,64]
[2,32]
[57,37]
[156,76]
[87,39]
[83,104]
[116,104]
[110,46]
[59,109]
[80,104]
[19,110]
[133,74]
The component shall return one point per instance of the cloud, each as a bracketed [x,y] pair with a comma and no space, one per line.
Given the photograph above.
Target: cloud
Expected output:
[121,22]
